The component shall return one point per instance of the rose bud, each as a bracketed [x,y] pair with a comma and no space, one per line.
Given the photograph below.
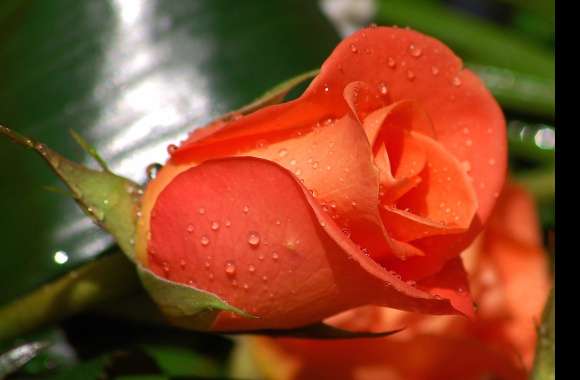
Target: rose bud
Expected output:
[511,281]
[363,191]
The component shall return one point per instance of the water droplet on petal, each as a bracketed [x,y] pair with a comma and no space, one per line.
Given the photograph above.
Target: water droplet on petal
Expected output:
[383,89]
[230,269]
[466,166]
[275,256]
[435,70]
[292,162]
[410,75]
[415,51]
[228,223]
[204,240]
[353,48]
[469,142]
[456,81]
[171,148]
[253,239]
[326,88]
[391,62]
[182,263]
[251,268]
[491,161]
[246,209]
[215,225]
[283,152]
[201,211]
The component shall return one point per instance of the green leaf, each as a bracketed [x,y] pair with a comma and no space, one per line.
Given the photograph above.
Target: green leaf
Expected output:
[88,370]
[181,361]
[110,200]
[130,78]
[470,37]
[517,91]
[17,357]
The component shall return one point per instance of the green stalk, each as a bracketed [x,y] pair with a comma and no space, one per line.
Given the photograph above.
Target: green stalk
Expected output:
[104,279]
[472,38]
[545,348]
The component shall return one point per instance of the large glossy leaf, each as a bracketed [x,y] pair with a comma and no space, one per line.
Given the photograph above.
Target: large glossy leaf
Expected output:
[130,77]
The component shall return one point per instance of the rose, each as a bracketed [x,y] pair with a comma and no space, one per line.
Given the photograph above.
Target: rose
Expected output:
[510,283]
[362,191]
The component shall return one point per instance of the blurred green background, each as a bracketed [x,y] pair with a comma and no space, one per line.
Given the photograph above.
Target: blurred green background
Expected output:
[133,75]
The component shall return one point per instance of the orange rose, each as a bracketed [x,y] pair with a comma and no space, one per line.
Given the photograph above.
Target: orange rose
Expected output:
[510,280]
[362,191]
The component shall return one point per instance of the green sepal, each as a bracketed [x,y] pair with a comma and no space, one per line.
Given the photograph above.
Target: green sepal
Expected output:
[110,200]
[185,306]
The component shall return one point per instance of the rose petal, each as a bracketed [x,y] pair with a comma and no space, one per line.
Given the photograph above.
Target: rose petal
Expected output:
[266,247]
[425,357]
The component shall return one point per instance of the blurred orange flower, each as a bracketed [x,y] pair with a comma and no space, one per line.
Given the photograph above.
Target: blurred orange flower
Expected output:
[509,279]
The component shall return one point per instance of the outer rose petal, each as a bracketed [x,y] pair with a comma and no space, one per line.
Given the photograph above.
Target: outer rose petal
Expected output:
[466,119]
[267,248]
[510,282]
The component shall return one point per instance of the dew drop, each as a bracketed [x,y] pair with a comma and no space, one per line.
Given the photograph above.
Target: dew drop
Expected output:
[491,161]
[246,209]
[253,239]
[60,257]
[230,269]
[264,278]
[469,142]
[353,48]
[415,51]
[182,263]
[246,287]
[283,152]
[228,223]
[201,211]
[456,81]
[326,88]
[204,240]
[292,162]
[410,75]
[171,148]
[215,225]
[391,62]
[298,171]
[466,166]
[435,70]
[152,170]
[275,256]
[251,268]
[315,164]
[383,89]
